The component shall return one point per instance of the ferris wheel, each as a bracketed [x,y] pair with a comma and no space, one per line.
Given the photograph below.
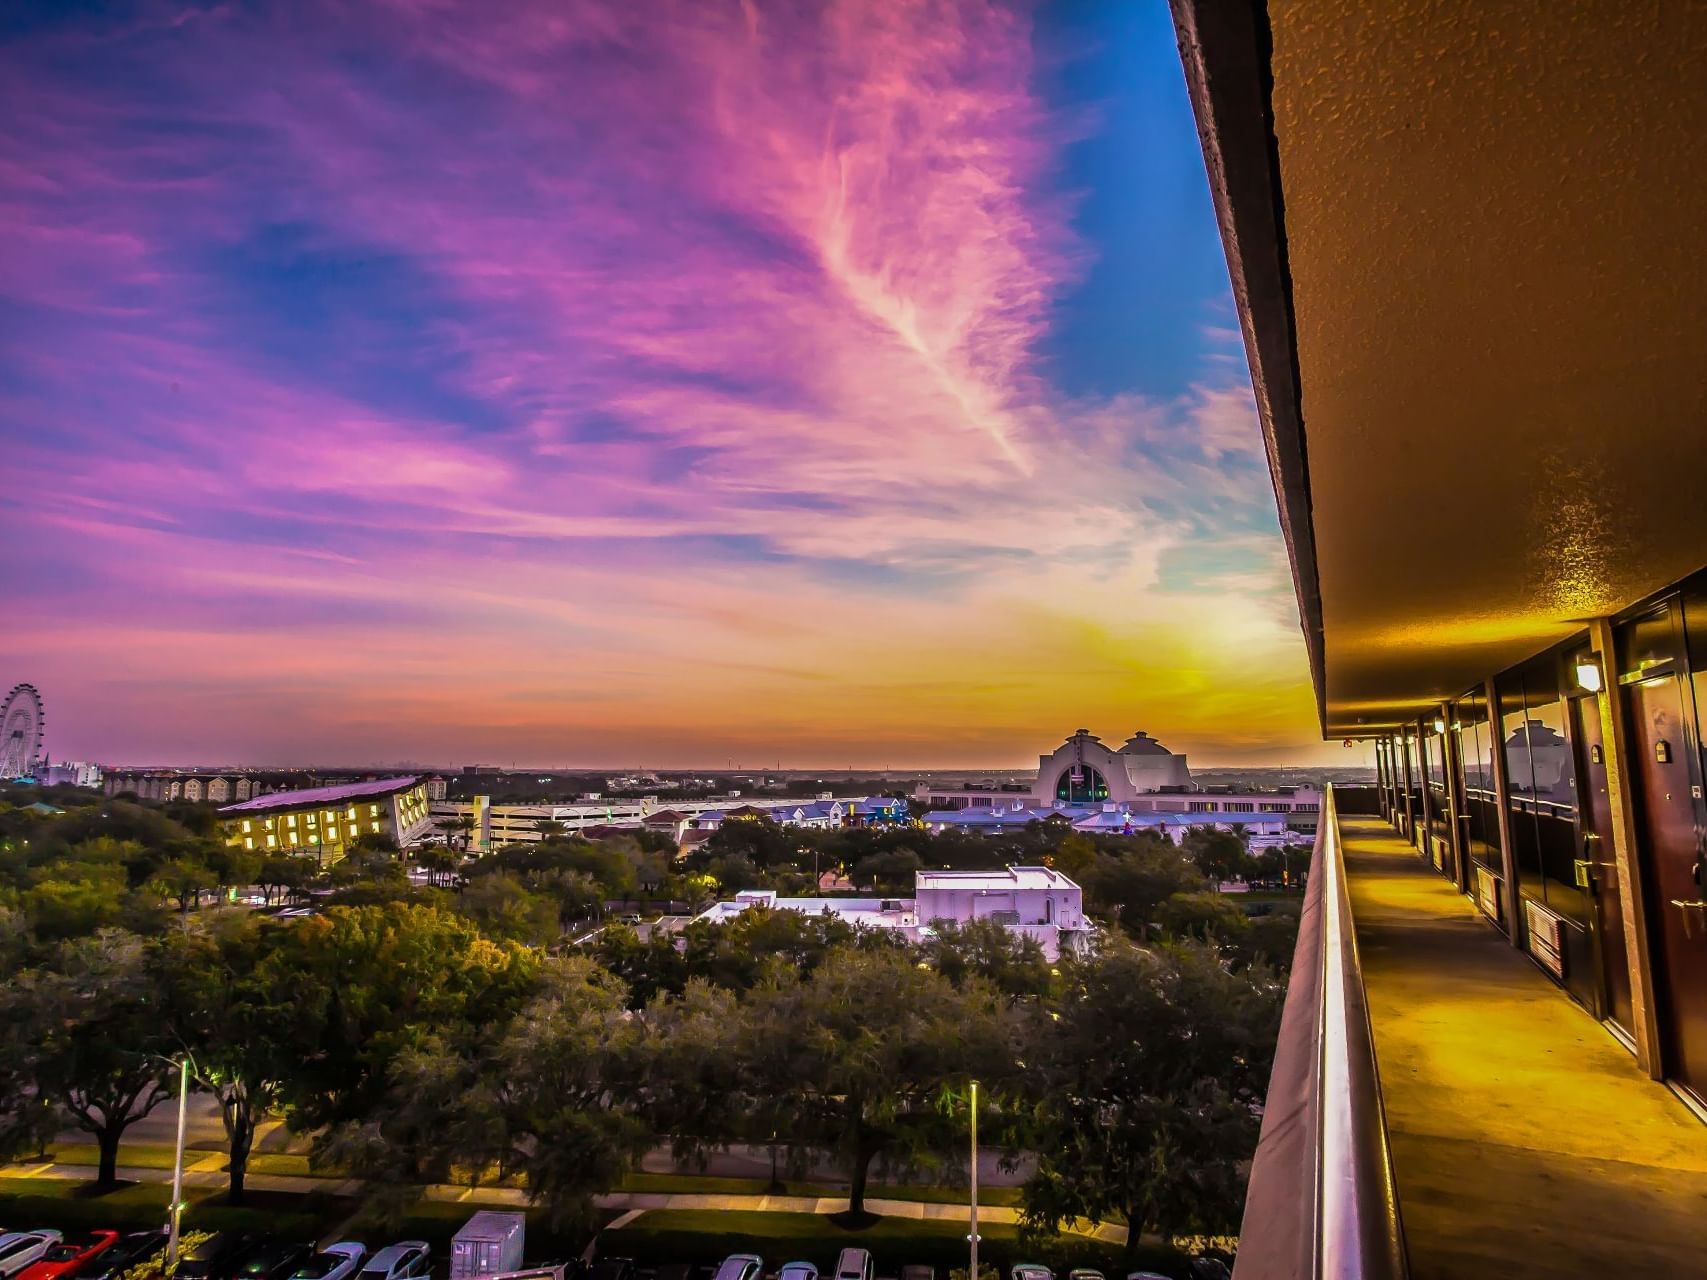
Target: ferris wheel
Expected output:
[20,731]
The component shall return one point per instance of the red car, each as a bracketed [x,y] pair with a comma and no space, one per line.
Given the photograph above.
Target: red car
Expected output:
[69,1254]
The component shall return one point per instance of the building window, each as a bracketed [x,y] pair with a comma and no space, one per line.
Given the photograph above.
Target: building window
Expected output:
[247,825]
[1081,785]
[249,842]
[376,828]
[373,811]
[1238,806]
[272,842]
[352,831]
[1202,806]
[290,821]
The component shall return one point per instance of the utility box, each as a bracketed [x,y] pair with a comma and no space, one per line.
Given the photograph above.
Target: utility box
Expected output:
[489,1244]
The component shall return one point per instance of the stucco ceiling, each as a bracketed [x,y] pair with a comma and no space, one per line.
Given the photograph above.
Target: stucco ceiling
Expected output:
[1494,215]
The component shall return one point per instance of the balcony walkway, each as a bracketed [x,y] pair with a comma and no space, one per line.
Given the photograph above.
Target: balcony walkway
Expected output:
[1525,1140]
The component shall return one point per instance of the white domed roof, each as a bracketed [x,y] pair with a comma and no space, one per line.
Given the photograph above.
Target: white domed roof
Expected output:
[1142,744]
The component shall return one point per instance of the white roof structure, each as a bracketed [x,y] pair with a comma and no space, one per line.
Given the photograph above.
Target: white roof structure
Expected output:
[883,913]
[1011,878]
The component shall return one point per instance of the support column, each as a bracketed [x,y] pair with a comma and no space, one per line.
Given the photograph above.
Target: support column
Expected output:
[1512,905]
[1407,759]
[1380,784]
[1453,768]
[1620,802]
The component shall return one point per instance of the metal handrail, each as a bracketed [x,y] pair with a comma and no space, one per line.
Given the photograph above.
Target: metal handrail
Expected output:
[1322,1203]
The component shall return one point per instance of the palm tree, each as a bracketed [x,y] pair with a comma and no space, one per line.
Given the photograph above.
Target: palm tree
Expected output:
[462,825]
[549,828]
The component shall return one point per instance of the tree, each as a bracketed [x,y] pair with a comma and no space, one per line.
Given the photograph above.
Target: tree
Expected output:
[504,908]
[549,828]
[1010,962]
[891,871]
[374,982]
[285,874]
[760,840]
[1147,1089]
[1218,853]
[228,1006]
[1208,917]
[858,1057]
[554,1094]
[460,829]
[183,879]
[99,1044]
[1135,882]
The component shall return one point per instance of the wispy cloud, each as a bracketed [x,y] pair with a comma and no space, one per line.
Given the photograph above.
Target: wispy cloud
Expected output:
[655,374]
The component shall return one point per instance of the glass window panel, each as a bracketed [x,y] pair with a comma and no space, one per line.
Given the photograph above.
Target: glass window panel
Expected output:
[1525,849]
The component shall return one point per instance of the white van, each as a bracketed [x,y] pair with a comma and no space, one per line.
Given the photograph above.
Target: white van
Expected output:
[854,1264]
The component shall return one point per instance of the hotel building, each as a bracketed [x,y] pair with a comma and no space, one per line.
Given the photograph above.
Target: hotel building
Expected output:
[325,821]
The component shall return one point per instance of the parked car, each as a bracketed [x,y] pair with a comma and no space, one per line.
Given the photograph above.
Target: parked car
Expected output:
[65,1257]
[1209,1269]
[214,1257]
[741,1266]
[335,1262]
[855,1264]
[137,1247]
[797,1271]
[401,1261]
[1084,1273]
[1031,1271]
[20,1248]
[611,1269]
[272,1260]
[918,1271]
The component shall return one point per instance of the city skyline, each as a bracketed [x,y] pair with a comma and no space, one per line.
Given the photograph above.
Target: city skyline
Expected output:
[711,382]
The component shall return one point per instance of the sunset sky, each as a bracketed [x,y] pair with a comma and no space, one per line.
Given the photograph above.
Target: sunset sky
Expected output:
[638,382]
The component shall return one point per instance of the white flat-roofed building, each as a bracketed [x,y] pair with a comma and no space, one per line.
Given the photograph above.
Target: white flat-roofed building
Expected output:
[1038,902]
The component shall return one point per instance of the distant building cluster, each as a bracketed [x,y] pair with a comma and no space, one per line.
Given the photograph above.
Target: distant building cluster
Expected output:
[68,773]
[1141,785]
[1035,902]
[174,784]
[687,822]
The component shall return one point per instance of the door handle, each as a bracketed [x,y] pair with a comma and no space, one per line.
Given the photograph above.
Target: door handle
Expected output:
[1686,905]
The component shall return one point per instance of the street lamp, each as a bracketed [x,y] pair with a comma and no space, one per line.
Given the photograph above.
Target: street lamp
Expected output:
[177,1208]
[972,1239]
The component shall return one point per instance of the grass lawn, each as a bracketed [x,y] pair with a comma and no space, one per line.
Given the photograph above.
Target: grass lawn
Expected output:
[675,1235]
[74,1206]
[132,1155]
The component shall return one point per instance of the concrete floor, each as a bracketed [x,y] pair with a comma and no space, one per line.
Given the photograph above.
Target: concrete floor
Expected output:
[1526,1141]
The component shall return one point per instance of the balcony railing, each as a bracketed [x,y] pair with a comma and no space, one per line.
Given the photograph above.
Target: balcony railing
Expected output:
[1322,1203]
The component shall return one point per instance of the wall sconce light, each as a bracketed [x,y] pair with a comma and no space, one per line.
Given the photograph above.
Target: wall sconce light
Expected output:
[1439,724]
[1588,672]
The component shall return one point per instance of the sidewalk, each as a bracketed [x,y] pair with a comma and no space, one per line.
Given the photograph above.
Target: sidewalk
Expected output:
[626,1201]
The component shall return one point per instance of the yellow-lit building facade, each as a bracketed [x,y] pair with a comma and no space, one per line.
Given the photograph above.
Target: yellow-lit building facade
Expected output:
[326,821]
